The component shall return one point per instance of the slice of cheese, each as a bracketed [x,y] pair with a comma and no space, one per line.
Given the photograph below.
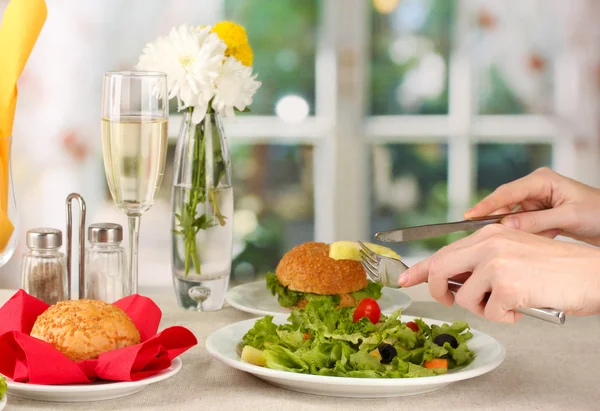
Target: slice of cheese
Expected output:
[350,250]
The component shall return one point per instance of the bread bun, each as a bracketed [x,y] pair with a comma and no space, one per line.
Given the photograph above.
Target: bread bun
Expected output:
[84,329]
[308,268]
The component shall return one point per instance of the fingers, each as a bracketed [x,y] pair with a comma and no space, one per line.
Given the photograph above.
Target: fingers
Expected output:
[462,277]
[420,272]
[550,233]
[472,295]
[496,309]
[449,262]
[503,210]
[535,186]
[416,274]
[491,292]
[540,221]
[445,265]
[530,205]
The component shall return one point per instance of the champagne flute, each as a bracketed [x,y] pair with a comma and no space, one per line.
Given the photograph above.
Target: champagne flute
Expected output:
[134,144]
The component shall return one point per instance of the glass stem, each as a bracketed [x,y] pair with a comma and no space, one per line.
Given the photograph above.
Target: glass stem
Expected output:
[134,236]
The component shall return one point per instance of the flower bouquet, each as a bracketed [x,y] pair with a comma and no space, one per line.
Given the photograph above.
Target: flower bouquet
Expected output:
[209,72]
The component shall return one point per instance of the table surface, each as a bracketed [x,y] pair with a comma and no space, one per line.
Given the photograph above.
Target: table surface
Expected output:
[547,367]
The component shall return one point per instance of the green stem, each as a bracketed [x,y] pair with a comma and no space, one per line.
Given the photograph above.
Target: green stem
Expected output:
[187,253]
[197,191]
[189,209]
[212,195]
[190,223]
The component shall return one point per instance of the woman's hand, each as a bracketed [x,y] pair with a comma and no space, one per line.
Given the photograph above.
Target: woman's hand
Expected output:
[519,269]
[566,206]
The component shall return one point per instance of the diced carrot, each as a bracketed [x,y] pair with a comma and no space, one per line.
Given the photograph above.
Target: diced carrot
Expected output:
[436,363]
[306,336]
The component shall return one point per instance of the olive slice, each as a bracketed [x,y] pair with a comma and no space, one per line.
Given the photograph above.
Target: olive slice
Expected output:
[387,352]
[446,338]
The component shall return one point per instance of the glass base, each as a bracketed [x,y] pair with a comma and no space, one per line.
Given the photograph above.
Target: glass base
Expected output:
[200,295]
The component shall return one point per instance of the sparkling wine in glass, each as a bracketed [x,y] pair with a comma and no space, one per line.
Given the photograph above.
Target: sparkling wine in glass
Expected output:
[134,145]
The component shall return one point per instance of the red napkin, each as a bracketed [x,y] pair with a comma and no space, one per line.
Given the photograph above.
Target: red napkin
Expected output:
[27,359]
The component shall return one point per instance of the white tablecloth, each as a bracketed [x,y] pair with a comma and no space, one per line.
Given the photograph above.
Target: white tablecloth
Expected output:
[548,367]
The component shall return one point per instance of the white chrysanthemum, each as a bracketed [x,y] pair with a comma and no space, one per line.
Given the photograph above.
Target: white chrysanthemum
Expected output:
[235,87]
[192,58]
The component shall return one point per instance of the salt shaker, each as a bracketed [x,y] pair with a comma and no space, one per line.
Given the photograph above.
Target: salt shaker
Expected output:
[44,268]
[105,275]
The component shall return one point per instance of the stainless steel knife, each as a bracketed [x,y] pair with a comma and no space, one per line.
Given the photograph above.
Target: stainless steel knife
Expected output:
[435,230]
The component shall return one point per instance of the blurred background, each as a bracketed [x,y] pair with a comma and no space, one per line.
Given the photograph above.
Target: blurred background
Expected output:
[373,114]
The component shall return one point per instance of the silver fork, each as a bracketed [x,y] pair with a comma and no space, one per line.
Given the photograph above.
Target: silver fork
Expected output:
[387,270]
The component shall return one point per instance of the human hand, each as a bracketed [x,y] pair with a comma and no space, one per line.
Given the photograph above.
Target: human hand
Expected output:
[566,207]
[518,269]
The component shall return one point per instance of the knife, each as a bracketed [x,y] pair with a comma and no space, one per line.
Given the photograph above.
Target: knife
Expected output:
[435,230]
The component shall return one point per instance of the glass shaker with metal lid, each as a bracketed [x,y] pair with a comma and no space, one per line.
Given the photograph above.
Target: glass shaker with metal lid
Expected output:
[105,275]
[44,268]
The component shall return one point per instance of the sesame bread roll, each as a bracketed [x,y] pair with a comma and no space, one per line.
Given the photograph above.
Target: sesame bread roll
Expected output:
[84,329]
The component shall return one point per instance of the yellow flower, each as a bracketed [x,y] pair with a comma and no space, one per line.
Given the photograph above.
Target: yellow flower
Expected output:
[236,39]
[243,54]
[231,33]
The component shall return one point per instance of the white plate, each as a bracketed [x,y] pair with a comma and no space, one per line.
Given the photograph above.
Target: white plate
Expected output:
[221,345]
[88,392]
[255,298]
[3,403]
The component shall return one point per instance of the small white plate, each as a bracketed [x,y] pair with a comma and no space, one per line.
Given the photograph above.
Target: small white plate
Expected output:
[88,392]
[221,345]
[255,298]
[3,403]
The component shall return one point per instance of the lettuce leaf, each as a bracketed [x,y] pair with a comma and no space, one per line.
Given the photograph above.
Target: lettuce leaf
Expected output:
[263,333]
[285,296]
[3,387]
[289,298]
[280,358]
[372,290]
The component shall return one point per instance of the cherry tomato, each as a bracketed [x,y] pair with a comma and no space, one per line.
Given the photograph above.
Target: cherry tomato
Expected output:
[413,326]
[369,308]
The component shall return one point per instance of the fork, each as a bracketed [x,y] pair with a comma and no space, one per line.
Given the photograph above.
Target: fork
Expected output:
[387,270]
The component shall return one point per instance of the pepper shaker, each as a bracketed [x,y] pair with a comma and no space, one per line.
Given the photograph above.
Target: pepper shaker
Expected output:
[44,268]
[105,275]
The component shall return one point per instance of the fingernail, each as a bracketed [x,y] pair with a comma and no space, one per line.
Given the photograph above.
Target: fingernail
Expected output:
[403,279]
[511,222]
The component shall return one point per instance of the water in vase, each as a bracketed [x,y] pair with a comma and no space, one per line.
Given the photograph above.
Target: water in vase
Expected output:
[202,246]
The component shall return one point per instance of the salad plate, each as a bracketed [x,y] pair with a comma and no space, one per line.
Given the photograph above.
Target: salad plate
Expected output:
[489,354]
[255,298]
[97,391]
[3,403]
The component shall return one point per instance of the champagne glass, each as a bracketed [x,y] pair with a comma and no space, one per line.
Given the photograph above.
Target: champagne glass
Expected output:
[134,144]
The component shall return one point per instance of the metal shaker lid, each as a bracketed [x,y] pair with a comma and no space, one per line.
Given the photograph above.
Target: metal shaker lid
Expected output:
[45,238]
[105,233]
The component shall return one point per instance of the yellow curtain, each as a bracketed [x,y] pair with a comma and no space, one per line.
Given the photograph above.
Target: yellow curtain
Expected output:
[21,26]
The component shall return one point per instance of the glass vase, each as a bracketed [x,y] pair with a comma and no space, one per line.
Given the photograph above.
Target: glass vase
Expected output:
[7,201]
[201,215]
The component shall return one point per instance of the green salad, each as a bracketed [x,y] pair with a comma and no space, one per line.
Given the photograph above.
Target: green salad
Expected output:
[356,342]
[3,387]
[289,298]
